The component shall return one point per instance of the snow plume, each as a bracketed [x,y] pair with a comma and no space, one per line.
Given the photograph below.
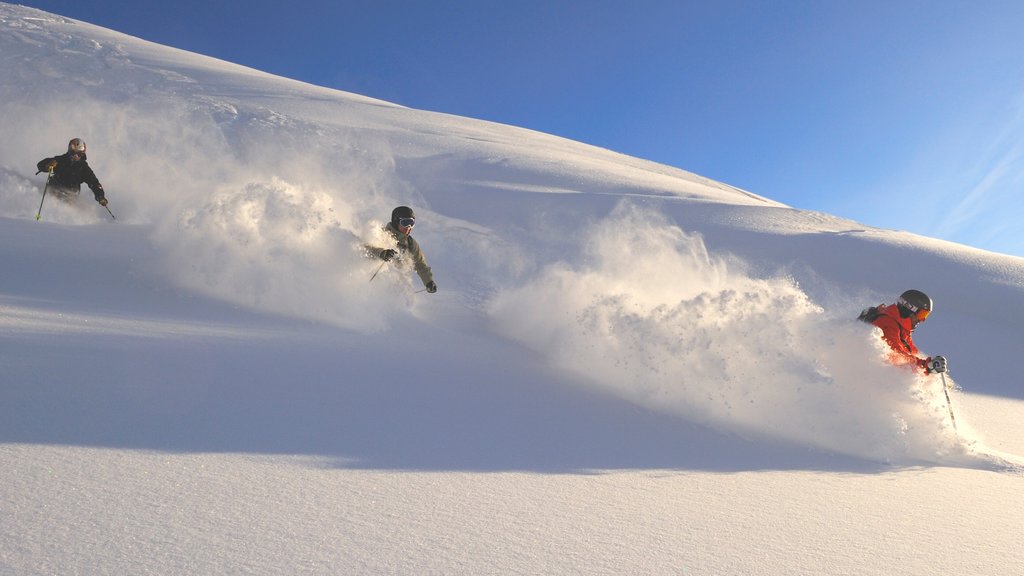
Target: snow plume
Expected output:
[653,318]
[270,245]
[240,209]
[150,154]
[289,239]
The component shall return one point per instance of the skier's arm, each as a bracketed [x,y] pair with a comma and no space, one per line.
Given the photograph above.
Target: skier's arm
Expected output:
[385,254]
[424,271]
[98,192]
[420,263]
[45,164]
[89,177]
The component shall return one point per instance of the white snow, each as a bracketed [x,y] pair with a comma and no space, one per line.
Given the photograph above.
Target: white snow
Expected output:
[627,368]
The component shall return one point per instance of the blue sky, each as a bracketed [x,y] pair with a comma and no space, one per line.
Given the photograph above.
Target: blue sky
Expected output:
[905,115]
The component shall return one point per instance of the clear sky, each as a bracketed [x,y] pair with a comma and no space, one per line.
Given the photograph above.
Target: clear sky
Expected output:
[899,114]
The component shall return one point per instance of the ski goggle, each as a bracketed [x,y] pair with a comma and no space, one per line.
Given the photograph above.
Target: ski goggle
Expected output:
[406,222]
[922,314]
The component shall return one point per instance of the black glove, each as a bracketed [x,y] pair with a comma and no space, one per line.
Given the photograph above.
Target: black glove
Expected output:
[936,364]
[431,287]
[387,254]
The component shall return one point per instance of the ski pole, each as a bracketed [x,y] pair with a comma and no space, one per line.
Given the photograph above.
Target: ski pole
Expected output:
[109,212]
[378,270]
[45,186]
[945,390]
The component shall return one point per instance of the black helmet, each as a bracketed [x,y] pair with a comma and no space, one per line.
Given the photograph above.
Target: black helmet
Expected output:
[914,301]
[400,213]
[76,145]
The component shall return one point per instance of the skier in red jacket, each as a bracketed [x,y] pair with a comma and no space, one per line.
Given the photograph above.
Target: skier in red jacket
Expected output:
[897,322]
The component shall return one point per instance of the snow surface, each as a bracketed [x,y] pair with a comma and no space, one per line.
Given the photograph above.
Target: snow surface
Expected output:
[627,368]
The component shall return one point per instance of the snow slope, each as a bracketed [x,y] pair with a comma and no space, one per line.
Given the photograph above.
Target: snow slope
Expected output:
[628,368]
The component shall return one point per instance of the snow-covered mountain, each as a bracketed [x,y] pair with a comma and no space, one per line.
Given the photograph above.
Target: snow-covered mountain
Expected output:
[627,368]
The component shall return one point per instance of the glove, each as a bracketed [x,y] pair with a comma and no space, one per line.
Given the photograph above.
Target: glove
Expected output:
[388,254]
[102,201]
[51,165]
[431,287]
[936,364]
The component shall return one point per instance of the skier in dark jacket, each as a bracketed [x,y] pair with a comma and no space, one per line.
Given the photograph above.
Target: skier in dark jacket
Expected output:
[69,171]
[897,322]
[406,250]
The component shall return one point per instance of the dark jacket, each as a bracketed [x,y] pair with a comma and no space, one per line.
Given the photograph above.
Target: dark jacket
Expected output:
[408,253]
[69,175]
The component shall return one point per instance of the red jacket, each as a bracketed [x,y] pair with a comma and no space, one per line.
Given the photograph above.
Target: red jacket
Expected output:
[896,331]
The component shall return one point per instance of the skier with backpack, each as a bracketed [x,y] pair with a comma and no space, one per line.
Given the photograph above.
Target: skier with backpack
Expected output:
[897,322]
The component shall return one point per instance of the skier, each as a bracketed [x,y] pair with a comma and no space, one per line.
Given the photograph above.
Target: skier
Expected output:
[69,171]
[407,249]
[897,322]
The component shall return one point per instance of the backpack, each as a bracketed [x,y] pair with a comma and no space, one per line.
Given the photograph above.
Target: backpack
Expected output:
[869,315]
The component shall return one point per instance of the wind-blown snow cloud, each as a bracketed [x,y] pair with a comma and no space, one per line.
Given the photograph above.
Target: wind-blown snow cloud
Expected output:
[654,318]
[285,235]
[241,208]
